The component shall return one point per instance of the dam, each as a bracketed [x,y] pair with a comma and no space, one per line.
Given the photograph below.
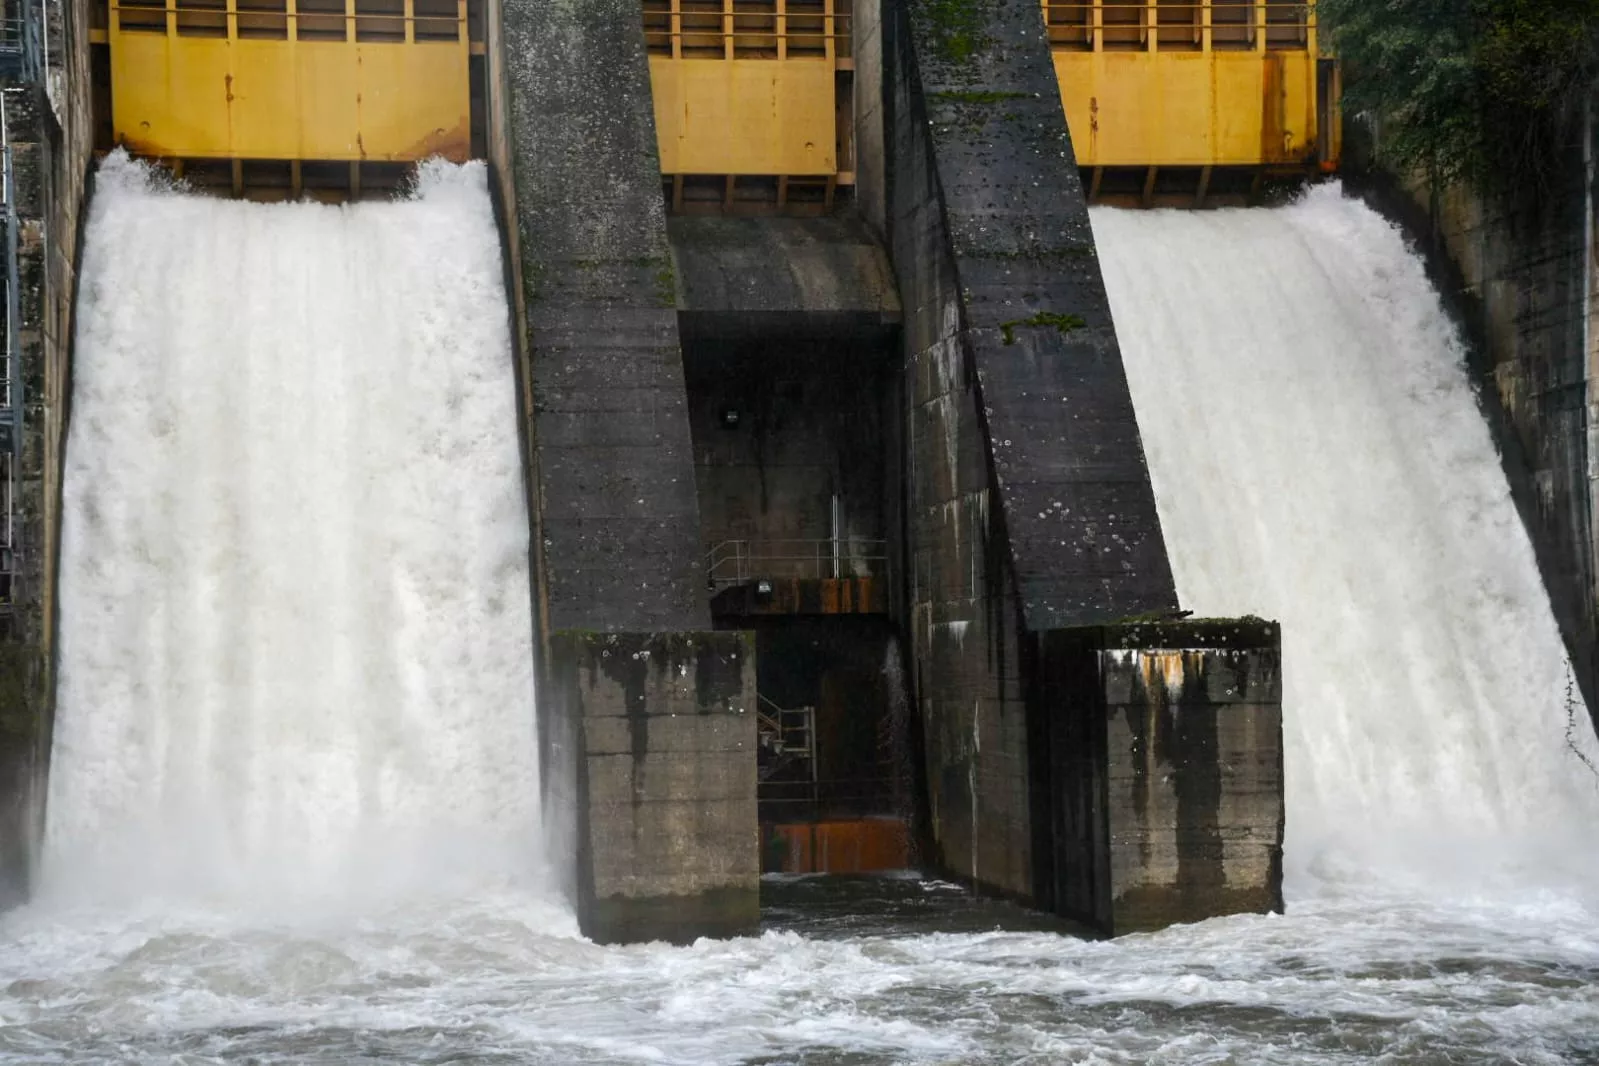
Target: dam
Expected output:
[733,532]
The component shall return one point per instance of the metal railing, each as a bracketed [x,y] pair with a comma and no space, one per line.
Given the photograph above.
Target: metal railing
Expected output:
[407,21]
[1179,25]
[747,29]
[11,386]
[738,562]
[22,42]
[787,735]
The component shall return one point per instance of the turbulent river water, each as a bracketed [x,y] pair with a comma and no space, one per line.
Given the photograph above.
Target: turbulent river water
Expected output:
[289,821]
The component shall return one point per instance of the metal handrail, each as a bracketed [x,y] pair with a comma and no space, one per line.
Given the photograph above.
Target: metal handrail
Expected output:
[11,384]
[168,17]
[781,723]
[1089,25]
[788,733]
[742,34]
[738,562]
[22,44]
[738,32]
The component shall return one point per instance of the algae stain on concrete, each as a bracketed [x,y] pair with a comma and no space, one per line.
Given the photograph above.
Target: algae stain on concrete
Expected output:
[1061,323]
[957,27]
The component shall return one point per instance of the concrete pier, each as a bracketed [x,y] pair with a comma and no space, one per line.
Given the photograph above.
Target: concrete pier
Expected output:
[1158,772]
[610,433]
[1027,499]
[655,737]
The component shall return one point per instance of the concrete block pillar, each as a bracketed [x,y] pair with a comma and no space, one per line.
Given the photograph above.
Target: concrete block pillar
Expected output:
[1157,771]
[652,752]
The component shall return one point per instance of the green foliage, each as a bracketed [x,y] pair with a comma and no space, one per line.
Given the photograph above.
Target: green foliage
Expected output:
[1486,91]
[1406,62]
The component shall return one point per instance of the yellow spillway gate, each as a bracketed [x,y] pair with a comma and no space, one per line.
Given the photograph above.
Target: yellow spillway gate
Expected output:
[337,80]
[753,101]
[1176,83]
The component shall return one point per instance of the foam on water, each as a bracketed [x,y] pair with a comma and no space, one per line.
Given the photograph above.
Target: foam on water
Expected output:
[1317,458]
[296,646]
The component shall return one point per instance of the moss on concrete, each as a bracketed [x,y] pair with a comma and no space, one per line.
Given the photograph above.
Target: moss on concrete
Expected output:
[1062,323]
[979,97]
[957,27]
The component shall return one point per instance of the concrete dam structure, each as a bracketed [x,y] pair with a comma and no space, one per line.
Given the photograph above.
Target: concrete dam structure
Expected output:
[745,531]
[493,481]
[839,533]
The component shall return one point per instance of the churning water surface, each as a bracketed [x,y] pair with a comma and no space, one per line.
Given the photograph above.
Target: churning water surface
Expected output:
[289,821]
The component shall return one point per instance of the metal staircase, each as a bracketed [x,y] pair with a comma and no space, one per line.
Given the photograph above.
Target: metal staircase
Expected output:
[21,42]
[787,738]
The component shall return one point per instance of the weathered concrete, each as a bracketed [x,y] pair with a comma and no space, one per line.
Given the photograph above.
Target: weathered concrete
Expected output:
[1028,500]
[1522,282]
[50,134]
[616,499]
[806,433]
[768,277]
[871,117]
[1158,772]
[661,731]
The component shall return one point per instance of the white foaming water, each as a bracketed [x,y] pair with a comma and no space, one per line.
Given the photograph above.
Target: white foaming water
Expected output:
[1403,961]
[296,638]
[1319,458]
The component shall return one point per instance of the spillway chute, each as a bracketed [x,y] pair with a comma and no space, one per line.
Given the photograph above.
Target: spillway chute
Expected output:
[1319,457]
[296,637]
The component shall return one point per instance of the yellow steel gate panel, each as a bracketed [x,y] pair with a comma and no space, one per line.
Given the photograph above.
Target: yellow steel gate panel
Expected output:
[748,87]
[745,116]
[1169,83]
[294,84]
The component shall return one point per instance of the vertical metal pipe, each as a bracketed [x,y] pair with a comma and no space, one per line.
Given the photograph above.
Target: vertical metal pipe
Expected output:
[837,533]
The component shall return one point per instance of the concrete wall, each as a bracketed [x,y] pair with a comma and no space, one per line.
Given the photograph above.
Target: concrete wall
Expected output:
[610,439]
[807,431]
[51,135]
[662,727]
[1522,281]
[767,277]
[1027,499]
[871,117]
[1158,772]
